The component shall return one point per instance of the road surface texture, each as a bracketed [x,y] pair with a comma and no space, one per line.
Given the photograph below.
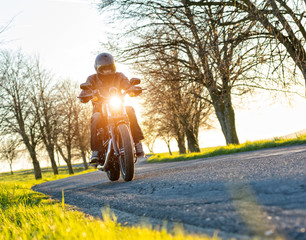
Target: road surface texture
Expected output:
[259,193]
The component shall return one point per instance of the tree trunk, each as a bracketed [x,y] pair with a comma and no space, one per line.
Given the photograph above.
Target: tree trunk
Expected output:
[150,147]
[66,159]
[84,159]
[36,165]
[192,141]
[52,159]
[37,170]
[226,116]
[180,138]
[11,167]
[168,146]
[190,133]
[58,158]
[181,146]
[69,165]
[304,74]
[35,162]
[70,169]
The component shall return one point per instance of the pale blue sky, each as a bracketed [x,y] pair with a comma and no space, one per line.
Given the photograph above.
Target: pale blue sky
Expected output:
[64,33]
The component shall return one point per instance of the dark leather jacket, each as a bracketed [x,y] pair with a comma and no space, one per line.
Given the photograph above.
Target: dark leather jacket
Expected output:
[104,83]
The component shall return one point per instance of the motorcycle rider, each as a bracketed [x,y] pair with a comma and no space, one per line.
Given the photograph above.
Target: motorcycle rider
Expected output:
[105,78]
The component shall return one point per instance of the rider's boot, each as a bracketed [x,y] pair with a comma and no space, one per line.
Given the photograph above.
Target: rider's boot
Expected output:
[139,150]
[94,157]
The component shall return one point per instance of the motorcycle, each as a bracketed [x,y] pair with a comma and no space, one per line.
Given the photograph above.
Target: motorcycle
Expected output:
[119,153]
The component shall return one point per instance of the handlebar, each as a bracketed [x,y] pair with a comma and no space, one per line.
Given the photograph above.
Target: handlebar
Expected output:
[136,91]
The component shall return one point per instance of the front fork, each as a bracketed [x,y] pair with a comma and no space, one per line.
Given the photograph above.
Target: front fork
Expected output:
[117,151]
[113,140]
[111,145]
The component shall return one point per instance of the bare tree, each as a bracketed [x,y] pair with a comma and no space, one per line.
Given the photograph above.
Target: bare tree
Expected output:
[177,113]
[157,126]
[82,115]
[179,136]
[171,99]
[45,105]
[17,114]
[282,20]
[72,129]
[210,52]
[9,151]
[150,133]
[166,134]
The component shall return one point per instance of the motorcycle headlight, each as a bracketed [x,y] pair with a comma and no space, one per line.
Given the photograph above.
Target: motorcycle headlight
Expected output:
[115,102]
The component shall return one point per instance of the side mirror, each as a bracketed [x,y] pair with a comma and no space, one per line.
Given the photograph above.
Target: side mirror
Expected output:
[135,81]
[86,86]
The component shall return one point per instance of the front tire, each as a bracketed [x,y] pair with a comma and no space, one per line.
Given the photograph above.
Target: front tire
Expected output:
[126,152]
[113,173]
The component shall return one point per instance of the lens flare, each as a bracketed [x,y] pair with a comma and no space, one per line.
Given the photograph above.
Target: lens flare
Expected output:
[115,102]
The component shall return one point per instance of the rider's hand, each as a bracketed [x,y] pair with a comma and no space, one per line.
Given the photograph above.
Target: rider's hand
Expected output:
[134,91]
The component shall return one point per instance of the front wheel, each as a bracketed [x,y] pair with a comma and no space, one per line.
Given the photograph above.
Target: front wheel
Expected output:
[113,172]
[126,152]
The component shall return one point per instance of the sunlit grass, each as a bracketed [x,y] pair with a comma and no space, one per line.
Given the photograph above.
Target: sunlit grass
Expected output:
[216,151]
[27,176]
[25,214]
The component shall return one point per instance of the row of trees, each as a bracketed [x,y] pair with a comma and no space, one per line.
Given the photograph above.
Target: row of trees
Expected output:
[196,55]
[40,113]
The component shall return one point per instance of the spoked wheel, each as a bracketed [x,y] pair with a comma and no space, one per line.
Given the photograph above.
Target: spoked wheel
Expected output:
[113,172]
[126,157]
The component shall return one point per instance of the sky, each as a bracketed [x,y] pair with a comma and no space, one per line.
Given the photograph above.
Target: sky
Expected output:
[66,35]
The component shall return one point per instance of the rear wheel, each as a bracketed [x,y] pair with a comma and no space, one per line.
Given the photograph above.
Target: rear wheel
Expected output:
[126,156]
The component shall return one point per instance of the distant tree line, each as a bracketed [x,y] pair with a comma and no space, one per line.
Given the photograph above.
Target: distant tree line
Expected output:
[196,55]
[40,114]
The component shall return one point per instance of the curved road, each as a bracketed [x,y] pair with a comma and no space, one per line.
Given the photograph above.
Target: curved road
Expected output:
[259,193]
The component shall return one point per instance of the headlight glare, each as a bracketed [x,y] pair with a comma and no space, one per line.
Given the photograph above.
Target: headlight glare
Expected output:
[115,102]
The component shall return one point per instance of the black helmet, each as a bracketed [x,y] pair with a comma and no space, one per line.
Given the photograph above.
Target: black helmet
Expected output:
[105,63]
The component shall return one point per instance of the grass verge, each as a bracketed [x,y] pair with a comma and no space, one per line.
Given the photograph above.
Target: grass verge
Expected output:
[28,175]
[216,151]
[25,214]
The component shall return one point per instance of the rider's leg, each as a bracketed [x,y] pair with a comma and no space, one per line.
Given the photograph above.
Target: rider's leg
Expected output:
[95,141]
[135,130]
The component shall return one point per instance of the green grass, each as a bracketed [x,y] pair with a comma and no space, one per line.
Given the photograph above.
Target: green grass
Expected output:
[25,214]
[47,174]
[216,151]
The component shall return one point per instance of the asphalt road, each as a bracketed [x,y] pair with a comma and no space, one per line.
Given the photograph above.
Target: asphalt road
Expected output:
[260,193]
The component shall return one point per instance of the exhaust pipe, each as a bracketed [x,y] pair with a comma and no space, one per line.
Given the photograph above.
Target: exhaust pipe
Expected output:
[109,148]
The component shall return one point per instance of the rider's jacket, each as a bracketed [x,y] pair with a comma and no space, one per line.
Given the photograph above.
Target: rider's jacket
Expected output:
[104,83]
